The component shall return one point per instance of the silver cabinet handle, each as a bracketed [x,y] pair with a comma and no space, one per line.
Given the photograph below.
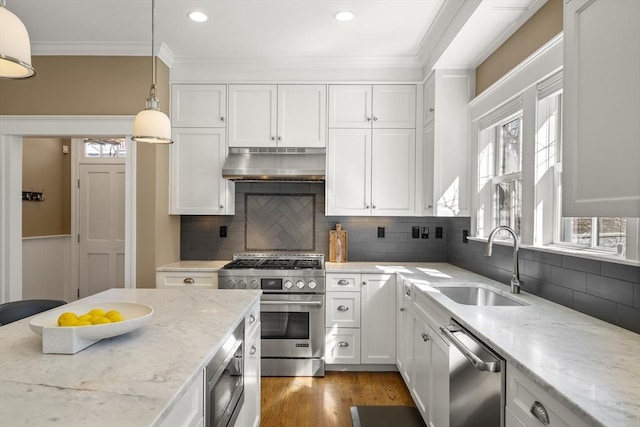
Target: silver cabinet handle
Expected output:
[367,206]
[343,282]
[252,319]
[403,309]
[374,206]
[222,119]
[425,337]
[343,308]
[279,138]
[408,292]
[189,281]
[273,138]
[375,119]
[368,119]
[253,350]
[431,110]
[477,363]
[221,206]
[364,282]
[343,344]
[540,412]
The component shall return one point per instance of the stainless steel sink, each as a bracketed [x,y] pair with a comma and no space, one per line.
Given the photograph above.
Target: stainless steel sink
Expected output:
[475,295]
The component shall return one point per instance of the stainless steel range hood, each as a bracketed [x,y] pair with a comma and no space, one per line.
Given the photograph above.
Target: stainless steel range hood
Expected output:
[275,164]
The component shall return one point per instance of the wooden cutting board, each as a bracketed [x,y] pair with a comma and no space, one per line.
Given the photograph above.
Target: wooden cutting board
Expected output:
[338,237]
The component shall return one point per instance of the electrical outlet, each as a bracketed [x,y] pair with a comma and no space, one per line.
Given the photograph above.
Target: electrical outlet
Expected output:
[415,232]
[465,236]
[223,231]
[424,233]
[381,232]
[439,231]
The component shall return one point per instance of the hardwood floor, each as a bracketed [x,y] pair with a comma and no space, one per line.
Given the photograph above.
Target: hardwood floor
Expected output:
[325,402]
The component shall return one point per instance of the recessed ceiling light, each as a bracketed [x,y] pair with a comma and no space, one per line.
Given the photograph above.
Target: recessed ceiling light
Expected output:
[344,16]
[198,16]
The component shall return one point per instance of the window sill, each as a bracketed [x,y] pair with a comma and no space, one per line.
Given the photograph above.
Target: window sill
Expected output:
[561,250]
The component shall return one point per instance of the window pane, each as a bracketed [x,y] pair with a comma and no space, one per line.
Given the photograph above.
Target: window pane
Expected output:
[509,207]
[509,152]
[105,148]
[611,232]
[577,231]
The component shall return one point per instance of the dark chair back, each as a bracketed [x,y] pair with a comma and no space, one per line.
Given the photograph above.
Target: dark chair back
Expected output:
[16,310]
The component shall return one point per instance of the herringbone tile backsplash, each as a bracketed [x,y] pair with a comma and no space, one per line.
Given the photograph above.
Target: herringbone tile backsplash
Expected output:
[280,222]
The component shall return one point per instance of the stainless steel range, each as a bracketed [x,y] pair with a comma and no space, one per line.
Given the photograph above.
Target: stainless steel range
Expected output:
[291,308]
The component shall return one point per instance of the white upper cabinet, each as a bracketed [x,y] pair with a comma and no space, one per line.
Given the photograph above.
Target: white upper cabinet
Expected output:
[429,99]
[198,105]
[197,186]
[277,115]
[601,141]
[367,106]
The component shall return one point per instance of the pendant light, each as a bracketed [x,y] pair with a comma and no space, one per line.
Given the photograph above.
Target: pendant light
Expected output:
[15,47]
[152,125]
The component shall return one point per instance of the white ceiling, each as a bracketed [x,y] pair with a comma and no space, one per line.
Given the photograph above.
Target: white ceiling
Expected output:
[383,30]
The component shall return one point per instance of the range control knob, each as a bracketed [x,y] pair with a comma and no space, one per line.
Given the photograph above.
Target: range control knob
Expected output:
[288,284]
[230,284]
[312,285]
[242,284]
[253,284]
[300,284]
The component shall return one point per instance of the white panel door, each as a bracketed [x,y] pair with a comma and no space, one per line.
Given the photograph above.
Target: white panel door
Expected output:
[429,100]
[302,115]
[394,106]
[348,181]
[102,227]
[252,115]
[393,171]
[601,144]
[197,186]
[198,105]
[378,324]
[421,357]
[350,106]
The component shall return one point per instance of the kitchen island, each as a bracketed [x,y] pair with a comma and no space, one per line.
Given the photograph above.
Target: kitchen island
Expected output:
[134,379]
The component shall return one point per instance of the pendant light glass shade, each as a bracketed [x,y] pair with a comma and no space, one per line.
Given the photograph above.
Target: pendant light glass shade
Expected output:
[152,125]
[15,47]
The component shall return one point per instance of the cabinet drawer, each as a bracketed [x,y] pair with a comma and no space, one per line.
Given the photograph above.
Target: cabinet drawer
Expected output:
[342,345]
[180,279]
[343,282]
[522,393]
[343,309]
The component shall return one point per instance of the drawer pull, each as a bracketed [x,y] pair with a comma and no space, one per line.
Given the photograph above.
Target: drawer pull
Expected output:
[189,281]
[425,337]
[252,319]
[408,292]
[253,350]
[364,282]
[343,308]
[402,309]
[539,411]
[343,344]
[343,282]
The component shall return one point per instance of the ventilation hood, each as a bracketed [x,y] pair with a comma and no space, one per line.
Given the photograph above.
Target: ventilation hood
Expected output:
[275,164]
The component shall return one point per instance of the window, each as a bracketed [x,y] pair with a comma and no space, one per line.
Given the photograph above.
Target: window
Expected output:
[104,148]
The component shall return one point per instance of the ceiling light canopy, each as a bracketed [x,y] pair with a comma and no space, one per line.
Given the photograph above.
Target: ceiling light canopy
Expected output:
[15,47]
[197,16]
[344,16]
[152,125]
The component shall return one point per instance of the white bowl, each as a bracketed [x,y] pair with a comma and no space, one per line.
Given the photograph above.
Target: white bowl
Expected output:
[135,315]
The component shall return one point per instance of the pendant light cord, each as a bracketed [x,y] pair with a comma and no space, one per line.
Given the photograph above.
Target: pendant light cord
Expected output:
[153,58]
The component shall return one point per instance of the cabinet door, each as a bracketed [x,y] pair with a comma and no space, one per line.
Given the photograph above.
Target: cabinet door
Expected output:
[197,186]
[348,181]
[601,149]
[394,106]
[393,167]
[302,115]
[198,105]
[429,100]
[427,170]
[420,376]
[378,324]
[350,106]
[438,413]
[251,407]
[252,115]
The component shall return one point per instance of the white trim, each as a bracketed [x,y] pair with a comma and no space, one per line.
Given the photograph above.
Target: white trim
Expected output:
[13,129]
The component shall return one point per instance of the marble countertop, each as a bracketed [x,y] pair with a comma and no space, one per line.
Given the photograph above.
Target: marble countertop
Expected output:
[204,266]
[590,366]
[130,380]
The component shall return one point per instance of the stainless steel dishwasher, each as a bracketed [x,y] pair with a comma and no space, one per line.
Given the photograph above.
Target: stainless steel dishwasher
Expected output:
[476,380]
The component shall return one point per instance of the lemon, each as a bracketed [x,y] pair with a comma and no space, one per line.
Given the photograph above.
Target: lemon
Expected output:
[82,323]
[68,322]
[114,316]
[84,317]
[99,320]
[66,317]
[97,312]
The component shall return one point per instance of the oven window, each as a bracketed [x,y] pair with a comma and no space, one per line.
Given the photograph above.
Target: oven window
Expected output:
[287,325]
[227,389]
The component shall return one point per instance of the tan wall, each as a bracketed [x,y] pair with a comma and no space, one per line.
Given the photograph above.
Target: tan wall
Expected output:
[539,29]
[46,169]
[97,85]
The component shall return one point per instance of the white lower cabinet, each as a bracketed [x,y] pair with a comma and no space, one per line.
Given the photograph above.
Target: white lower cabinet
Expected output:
[525,399]
[180,279]
[421,365]
[250,414]
[360,319]
[188,411]
[404,329]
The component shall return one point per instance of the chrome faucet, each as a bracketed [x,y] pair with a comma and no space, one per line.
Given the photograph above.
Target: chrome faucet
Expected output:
[515,278]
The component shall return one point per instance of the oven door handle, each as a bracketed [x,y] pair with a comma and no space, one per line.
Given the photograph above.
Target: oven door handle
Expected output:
[310,303]
[478,363]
